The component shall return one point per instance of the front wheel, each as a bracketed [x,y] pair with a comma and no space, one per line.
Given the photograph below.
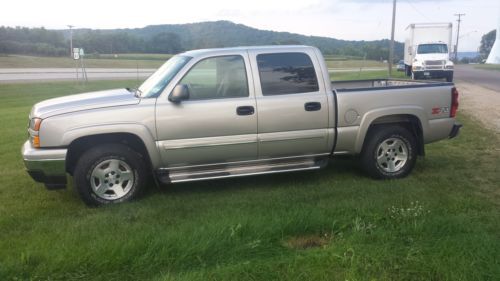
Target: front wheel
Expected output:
[109,173]
[389,152]
[449,77]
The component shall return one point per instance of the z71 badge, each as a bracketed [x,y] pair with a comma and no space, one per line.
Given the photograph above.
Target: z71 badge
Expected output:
[439,110]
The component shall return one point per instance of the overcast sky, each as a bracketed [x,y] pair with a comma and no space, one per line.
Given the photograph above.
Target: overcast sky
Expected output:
[342,19]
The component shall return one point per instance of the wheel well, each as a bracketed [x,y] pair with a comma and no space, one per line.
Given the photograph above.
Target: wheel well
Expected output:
[80,145]
[410,122]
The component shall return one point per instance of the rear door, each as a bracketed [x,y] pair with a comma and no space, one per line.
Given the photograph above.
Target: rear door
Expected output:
[292,104]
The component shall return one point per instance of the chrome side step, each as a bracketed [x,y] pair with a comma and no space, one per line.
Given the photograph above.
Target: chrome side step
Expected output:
[229,171]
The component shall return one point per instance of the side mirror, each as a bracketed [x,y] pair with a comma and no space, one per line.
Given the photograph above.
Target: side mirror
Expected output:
[180,93]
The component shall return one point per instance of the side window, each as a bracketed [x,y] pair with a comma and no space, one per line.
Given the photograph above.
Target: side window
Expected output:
[216,78]
[286,73]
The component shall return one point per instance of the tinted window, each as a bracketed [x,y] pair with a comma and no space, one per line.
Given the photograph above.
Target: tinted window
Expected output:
[218,77]
[286,73]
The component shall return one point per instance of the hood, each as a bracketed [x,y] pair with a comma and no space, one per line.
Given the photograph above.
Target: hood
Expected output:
[424,57]
[85,101]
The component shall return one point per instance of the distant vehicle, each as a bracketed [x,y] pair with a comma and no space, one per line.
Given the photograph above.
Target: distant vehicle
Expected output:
[427,51]
[219,113]
[401,65]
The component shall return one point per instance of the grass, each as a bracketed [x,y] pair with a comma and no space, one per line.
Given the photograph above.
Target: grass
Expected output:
[440,223]
[495,67]
[141,61]
[372,74]
[13,61]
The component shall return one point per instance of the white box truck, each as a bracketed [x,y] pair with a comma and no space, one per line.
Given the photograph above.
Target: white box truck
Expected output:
[427,51]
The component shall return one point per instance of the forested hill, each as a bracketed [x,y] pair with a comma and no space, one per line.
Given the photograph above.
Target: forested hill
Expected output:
[174,38]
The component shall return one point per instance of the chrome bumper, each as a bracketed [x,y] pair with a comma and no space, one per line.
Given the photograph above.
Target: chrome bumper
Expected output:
[45,165]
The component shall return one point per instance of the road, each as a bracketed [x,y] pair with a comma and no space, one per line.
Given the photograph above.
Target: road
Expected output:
[53,74]
[486,78]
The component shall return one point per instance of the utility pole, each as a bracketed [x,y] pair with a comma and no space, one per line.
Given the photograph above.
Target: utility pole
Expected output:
[71,40]
[391,47]
[458,34]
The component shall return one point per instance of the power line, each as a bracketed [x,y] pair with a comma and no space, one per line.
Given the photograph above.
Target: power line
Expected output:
[459,20]
[417,10]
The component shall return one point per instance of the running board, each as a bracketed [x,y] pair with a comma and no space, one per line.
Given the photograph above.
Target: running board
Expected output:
[228,171]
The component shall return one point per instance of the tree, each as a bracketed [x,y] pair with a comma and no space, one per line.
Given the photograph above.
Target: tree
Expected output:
[487,42]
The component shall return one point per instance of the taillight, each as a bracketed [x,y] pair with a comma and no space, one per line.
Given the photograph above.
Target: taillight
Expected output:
[454,102]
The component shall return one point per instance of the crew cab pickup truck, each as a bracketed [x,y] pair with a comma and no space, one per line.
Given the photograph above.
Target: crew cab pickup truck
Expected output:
[219,113]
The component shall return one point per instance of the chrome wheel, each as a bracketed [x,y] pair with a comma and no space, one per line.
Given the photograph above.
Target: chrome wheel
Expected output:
[112,179]
[392,154]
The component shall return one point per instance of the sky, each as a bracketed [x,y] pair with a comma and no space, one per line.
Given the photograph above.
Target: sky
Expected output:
[341,19]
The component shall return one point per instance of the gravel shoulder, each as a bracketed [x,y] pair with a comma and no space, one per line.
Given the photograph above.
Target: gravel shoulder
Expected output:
[481,103]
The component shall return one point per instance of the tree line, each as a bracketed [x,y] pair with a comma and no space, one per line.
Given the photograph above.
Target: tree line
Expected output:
[175,38]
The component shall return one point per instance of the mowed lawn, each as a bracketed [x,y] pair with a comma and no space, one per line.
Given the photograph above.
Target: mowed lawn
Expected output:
[440,223]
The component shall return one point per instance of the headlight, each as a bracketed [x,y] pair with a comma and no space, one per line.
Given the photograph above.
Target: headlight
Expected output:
[35,124]
[417,68]
[450,66]
[34,129]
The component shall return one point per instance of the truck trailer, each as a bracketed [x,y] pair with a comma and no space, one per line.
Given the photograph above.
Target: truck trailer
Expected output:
[427,51]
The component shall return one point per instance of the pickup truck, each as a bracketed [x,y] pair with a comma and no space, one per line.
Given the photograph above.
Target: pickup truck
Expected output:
[219,113]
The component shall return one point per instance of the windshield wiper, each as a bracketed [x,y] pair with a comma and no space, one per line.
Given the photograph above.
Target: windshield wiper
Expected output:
[137,92]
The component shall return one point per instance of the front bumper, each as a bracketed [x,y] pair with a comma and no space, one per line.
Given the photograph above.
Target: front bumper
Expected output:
[45,165]
[433,73]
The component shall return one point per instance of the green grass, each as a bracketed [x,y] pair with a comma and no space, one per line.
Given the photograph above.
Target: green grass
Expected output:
[440,223]
[495,67]
[106,62]
[141,61]
[358,75]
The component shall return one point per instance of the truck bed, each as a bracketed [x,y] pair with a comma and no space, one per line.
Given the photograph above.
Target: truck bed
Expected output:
[380,84]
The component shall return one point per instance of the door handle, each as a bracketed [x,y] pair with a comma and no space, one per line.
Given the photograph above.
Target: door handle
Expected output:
[312,106]
[245,110]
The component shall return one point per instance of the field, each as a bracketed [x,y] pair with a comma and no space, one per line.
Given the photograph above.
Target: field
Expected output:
[143,61]
[440,223]
[489,66]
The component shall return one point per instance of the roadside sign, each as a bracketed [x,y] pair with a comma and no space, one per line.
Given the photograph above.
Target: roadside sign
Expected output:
[81,52]
[76,56]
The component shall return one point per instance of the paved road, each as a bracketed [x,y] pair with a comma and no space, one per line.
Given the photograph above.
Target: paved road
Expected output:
[487,78]
[52,74]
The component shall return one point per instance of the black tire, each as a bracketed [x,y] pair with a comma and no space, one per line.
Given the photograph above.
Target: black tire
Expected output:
[380,137]
[129,162]
[449,77]
[407,70]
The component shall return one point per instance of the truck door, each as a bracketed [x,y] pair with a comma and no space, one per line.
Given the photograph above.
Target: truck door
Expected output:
[292,105]
[218,122]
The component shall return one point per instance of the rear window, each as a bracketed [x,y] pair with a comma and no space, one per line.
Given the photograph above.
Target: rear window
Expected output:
[286,73]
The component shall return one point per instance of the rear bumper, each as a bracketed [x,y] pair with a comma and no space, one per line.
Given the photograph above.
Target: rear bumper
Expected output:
[455,130]
[45,165]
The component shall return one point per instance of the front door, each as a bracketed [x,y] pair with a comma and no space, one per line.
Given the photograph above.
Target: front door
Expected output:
[218,123]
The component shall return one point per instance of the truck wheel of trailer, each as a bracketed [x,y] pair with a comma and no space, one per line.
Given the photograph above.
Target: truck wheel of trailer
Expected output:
[449,77]
[109,173]
[389,152]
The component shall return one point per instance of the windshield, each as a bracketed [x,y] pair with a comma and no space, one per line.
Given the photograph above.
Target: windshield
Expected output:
[160,79]
[432,49]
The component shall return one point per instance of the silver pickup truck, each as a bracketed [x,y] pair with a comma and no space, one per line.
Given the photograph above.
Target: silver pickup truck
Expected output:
[219,113]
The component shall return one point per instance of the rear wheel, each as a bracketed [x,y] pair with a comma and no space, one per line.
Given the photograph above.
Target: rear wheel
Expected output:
[389,152]
[110,173]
